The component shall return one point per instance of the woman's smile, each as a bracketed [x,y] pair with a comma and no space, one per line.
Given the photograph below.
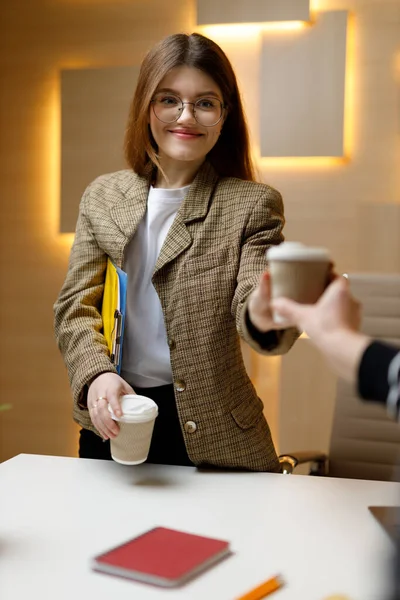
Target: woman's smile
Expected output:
[186,134]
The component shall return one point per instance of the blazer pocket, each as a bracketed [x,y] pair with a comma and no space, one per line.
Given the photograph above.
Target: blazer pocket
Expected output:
[207,262]
[247,413]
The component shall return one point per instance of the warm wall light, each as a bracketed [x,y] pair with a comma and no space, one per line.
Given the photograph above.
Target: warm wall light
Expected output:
[296,162]
[53,159]
[284,26]
[51,184]
[397,67]
[349,95]
[66,240]
[315,6]
[63,241]
[311,162]
[77,63]
[244,30]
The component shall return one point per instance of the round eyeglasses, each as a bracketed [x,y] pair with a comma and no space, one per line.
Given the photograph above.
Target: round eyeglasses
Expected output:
[207,111]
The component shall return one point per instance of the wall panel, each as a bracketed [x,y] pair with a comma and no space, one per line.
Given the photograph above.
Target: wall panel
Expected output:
[251,11]
[94,111]
[302,89]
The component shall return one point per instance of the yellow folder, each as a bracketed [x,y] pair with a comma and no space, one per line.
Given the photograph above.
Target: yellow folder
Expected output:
[113,311]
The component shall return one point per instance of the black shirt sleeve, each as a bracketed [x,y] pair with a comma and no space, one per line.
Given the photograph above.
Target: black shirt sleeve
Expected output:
[373,371]
[268,340]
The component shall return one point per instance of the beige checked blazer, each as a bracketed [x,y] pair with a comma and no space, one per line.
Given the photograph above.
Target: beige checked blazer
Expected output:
[211,260]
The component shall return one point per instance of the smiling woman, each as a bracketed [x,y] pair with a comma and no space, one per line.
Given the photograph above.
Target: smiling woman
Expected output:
[186,120]
[190,226]
[210,75]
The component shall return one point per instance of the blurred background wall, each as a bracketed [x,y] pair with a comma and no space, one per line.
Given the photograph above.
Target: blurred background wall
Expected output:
[350,204]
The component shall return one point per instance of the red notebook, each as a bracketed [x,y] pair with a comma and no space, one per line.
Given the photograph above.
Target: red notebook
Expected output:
[162,556]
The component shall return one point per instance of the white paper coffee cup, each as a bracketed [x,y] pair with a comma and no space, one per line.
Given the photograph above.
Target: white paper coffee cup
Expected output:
[298,272]
[136,424]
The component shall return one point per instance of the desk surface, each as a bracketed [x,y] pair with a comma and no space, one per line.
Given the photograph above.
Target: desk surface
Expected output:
[57,513]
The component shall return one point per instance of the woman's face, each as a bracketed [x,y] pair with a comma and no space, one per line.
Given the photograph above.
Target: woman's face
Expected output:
[185,140]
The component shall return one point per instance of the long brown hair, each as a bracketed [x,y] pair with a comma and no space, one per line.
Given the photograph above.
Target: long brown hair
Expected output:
[231,154]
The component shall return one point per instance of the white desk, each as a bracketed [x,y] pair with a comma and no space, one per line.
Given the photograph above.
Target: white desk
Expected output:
[56,513]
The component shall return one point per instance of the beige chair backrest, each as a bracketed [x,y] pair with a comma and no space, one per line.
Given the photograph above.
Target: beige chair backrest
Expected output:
[365,442]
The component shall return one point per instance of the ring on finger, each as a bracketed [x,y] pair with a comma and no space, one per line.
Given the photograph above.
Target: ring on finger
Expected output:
[95,403]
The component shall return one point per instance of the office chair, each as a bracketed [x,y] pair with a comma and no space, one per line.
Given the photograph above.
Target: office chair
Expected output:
[365,441]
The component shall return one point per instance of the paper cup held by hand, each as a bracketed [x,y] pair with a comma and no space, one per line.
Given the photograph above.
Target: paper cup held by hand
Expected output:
[298,272]
[132,444]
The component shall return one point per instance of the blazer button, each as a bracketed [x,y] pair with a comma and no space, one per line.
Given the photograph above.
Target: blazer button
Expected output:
[190,427]
[180,385]
[171,343]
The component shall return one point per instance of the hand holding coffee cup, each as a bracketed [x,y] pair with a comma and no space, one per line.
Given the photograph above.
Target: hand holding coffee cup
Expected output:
[297,272]
[105,389]
[259,305]
[136,423]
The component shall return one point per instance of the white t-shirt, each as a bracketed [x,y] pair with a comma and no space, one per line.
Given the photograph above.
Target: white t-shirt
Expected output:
[145,358]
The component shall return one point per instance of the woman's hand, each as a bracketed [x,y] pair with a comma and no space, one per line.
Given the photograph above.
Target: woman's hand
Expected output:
[259,306]
[106,389]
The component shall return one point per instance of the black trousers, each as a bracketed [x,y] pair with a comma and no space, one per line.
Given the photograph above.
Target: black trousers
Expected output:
[167,443]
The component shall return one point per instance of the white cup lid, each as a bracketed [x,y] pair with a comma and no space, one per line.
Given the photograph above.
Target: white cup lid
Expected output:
[136,408]
[297,251]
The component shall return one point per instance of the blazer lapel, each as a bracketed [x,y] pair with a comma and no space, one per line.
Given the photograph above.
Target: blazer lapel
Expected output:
[194,207]
[131,208]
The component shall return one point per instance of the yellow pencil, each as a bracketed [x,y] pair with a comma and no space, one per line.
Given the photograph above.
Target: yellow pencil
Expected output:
[264,590]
